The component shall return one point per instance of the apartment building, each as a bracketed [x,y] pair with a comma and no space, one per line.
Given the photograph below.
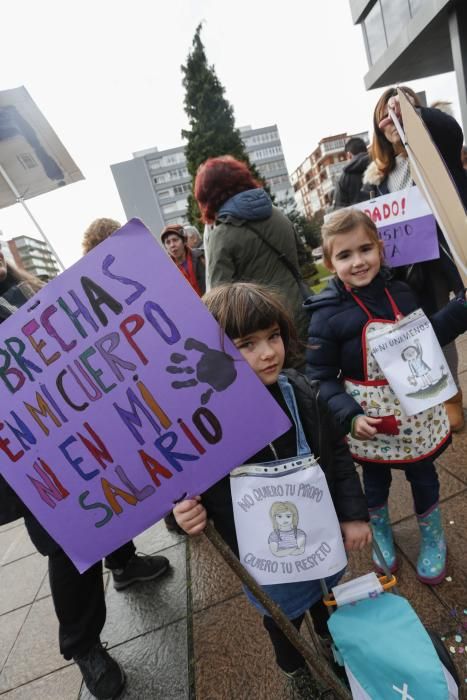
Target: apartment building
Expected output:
[34,256]
[154,185]
[315,179]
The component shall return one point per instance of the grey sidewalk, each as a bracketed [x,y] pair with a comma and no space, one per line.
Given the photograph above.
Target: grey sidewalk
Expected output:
[146,626]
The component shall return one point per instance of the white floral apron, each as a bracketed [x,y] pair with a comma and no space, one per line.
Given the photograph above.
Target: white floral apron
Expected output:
[415,437]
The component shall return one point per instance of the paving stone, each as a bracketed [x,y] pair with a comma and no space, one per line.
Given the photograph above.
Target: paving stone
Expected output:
[35,652]
[451,593]
[454,514]
[359,563]
[400,496]
[156,538]
[144,607]
[44,590]
[211,579]
[20,547]
[156,665]
[20,581]
[454,459]
[9,526]
[10,625]
[461,344]
[7,539]
[233,655]
[61,685]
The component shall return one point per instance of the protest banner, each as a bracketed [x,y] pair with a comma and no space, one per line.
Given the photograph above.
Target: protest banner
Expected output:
[406,226]
[120,395]
[434,180]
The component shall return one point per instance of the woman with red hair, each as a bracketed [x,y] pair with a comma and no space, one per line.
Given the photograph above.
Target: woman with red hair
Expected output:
[252,241]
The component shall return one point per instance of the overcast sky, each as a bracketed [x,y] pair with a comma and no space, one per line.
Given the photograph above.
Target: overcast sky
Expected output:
[106,75]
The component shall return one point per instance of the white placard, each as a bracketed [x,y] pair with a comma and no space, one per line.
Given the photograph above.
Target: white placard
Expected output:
[411,359]
[286,523]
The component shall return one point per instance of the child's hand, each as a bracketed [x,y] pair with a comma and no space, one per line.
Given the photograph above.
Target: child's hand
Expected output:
[191,515]
[364,428]
[356,534]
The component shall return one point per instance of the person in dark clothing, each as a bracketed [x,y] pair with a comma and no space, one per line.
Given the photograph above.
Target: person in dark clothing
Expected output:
[358,303]
[261,329]
[78,599]
[190,261]
[349,187]
[432,281]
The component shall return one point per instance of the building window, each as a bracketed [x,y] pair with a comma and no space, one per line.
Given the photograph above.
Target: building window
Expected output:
[266,152]
[165,194]
[182,189]
[155,164]
[335,145]
[261,138]
[183,219]
[395,15]
[375,34]
[179,205]
[177,174]
[27,160]
[273,166]
[278,180]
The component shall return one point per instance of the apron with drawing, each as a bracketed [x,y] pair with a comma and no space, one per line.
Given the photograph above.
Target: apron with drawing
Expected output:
[402,438]
[285,521]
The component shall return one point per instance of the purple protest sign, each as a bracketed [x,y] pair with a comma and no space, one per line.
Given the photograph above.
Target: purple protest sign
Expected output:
[405,225]
[119,396]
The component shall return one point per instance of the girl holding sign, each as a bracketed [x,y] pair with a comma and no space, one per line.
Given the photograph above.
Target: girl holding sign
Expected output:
[360,304]
[389,171]
[304,483]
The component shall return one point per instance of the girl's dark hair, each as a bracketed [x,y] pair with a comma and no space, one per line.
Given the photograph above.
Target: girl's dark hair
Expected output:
[243,308]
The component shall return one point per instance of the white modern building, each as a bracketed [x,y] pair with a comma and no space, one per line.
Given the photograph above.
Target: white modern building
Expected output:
[34,256]
[154,186]
[410,39]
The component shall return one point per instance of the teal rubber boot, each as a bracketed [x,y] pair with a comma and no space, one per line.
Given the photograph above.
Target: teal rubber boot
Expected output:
[431,562]
[382,532]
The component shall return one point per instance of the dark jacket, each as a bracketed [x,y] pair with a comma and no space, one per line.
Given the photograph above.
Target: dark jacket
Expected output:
[448,137]
[335,335]
[199,268]
[349,187]
[11,507]
[327,445]
[237,254]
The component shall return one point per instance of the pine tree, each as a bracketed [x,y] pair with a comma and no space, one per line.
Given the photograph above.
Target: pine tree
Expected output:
[211,118]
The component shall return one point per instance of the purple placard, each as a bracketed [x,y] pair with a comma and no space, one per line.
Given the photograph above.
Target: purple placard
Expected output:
[405,225]
[118,397]
[411,241]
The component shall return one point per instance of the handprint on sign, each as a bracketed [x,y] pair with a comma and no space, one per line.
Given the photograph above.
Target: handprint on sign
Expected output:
[214,367]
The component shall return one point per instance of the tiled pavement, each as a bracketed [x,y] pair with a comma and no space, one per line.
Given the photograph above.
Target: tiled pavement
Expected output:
[192,634]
